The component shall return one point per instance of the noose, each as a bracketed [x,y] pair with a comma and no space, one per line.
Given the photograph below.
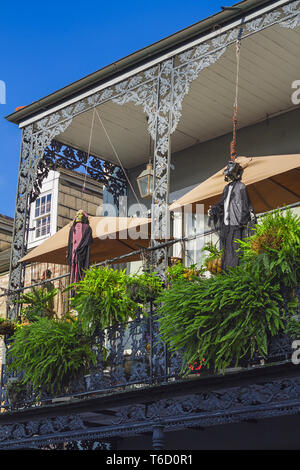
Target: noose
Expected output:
[233,152]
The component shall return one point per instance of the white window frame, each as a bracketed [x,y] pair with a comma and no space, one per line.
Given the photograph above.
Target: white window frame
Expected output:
[49,186]
[46,215]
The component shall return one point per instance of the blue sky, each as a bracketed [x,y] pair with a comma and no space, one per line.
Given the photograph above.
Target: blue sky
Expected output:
[47,45]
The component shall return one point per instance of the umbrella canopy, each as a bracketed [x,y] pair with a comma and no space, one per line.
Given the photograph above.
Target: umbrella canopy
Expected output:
[112,237]
[272,182]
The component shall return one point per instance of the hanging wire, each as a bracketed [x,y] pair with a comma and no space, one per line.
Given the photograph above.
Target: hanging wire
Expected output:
[120,163]
[233,152]
[88,155]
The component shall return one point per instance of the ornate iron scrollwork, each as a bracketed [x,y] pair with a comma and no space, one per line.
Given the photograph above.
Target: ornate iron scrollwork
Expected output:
[58,155]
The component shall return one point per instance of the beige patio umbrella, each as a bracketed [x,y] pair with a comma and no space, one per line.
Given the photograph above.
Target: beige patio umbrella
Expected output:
[272,181]
[112,237]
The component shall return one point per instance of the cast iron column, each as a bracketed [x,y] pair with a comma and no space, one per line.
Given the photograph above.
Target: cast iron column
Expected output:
[160,228]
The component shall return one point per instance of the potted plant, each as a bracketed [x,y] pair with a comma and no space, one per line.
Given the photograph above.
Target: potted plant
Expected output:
[178,271]
[213,261]
[222,318]
[16,391]
[232,317]
[39,303]
[144,288]
[7,327]
[51,354]
[102,299]
[274,247]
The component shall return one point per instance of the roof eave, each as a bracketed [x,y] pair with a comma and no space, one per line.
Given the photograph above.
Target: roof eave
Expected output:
[137,58]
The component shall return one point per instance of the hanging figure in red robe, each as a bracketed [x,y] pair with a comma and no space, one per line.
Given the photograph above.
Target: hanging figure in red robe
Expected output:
[80,239]
[233,216]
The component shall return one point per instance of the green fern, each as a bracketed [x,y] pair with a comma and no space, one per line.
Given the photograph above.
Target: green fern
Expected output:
[274,247]
[51,354]
[144,287]
[38,303]
[232,315]
[102,300]
[223,318]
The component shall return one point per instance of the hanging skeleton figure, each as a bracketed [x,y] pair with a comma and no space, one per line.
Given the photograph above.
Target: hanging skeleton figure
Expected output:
[80,239]
[233,216]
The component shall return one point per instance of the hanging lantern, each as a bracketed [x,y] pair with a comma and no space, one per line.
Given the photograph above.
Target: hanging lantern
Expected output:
[145,182]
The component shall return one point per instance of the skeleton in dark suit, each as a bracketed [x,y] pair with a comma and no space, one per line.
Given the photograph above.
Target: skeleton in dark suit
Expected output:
[233,216]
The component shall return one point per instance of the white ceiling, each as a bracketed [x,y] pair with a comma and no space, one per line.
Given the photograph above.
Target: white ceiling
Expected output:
[269,63]
[126,127]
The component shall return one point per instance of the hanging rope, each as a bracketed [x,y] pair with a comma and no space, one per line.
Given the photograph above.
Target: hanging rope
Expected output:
[120,163]
[233,152]
[88,155]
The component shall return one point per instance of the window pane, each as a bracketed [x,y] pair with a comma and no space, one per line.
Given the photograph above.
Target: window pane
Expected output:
[43,206]
[43,231]
[37,207]
[48,224]
[48,205]
[38,229]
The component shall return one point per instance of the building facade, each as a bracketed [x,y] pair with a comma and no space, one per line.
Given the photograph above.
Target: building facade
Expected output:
[180,93]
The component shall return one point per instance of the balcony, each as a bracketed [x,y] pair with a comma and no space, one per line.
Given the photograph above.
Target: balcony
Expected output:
[139,381]
[133,356]
[137,359]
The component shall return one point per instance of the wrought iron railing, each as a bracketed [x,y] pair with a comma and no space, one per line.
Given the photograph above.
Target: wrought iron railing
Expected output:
[132,356]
